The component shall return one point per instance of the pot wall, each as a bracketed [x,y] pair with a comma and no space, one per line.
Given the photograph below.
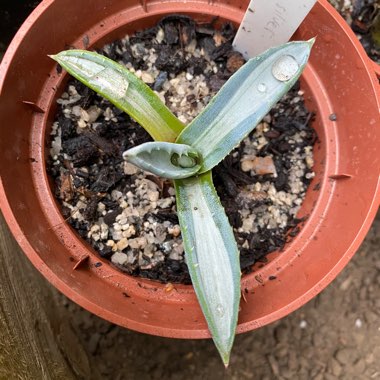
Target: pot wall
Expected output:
[337,80]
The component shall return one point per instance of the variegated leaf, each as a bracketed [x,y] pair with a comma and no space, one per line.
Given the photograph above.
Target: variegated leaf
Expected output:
[212,257]
[167,160]
[244,100]
[123,89]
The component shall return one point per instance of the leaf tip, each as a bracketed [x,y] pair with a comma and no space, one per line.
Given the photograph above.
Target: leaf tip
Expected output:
[126,155]
[224,348]
[311,41]
[226,359]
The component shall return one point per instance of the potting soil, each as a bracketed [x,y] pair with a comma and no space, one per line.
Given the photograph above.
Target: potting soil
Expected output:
[129,215]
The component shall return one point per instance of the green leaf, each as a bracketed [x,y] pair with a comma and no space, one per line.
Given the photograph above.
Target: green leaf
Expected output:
[167,160]
[244,100]
[123,89]
[212,257]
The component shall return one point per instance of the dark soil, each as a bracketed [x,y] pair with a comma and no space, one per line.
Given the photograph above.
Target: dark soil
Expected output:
[93,159]
[364,18]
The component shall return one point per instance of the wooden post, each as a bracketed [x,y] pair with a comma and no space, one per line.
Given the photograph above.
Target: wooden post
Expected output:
[36,338]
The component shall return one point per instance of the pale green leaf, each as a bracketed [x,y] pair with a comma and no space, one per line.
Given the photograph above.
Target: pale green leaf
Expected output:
[244,100]
[123,89]
[212,257]
[167,160]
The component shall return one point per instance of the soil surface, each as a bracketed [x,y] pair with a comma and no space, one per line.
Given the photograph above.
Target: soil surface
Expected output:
[364,18]
[334,336]
[129,215]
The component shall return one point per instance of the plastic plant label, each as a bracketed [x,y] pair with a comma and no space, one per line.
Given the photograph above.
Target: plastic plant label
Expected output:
[269,23]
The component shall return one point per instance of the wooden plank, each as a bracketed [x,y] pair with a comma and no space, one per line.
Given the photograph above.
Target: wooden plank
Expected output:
[36,338]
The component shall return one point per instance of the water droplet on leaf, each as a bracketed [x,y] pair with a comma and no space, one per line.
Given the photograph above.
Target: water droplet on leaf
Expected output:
[220,310]
[186,162]
[262,87]
[285,68]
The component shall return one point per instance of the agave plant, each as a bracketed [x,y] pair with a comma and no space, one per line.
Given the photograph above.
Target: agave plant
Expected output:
[187,154]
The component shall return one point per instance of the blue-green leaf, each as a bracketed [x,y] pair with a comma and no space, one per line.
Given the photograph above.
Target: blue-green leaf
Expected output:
[244,100]
[123,89]
[212,257]
[167,160]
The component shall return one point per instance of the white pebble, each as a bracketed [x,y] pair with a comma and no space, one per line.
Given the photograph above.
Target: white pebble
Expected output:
[101,207]
[153,196]
[160,35]
[147,78]
[93,113]
[119,258]
[122,244]
[72,90]
[303,324]
[165,202]
[56,146]
[82,124]
[116,195]
[130,231]
[76,111]
[139,242]
[84,115]
[104,231]
[247,165]
[110,243]
[175,231]
[309,162]
[117,235]
[183,119]
[117,226]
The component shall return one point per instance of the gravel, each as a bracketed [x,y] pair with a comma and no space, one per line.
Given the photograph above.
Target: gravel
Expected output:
[120,211]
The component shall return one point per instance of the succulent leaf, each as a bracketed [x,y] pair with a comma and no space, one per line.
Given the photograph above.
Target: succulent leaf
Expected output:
[244,100]
[167,160]
[123,89]
[212,257]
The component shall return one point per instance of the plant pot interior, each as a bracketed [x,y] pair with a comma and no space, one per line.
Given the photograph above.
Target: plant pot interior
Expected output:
[334,83]
[151,251]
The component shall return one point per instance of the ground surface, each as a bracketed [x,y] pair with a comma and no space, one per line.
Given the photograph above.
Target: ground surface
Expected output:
[334,336]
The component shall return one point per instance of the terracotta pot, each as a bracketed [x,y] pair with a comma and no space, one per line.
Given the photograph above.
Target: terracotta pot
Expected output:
[341,202]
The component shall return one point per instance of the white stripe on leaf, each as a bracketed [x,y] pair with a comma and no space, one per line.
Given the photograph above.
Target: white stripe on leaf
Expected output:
[212,257]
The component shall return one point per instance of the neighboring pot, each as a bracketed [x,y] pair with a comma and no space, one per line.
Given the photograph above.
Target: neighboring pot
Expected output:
[340,203]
